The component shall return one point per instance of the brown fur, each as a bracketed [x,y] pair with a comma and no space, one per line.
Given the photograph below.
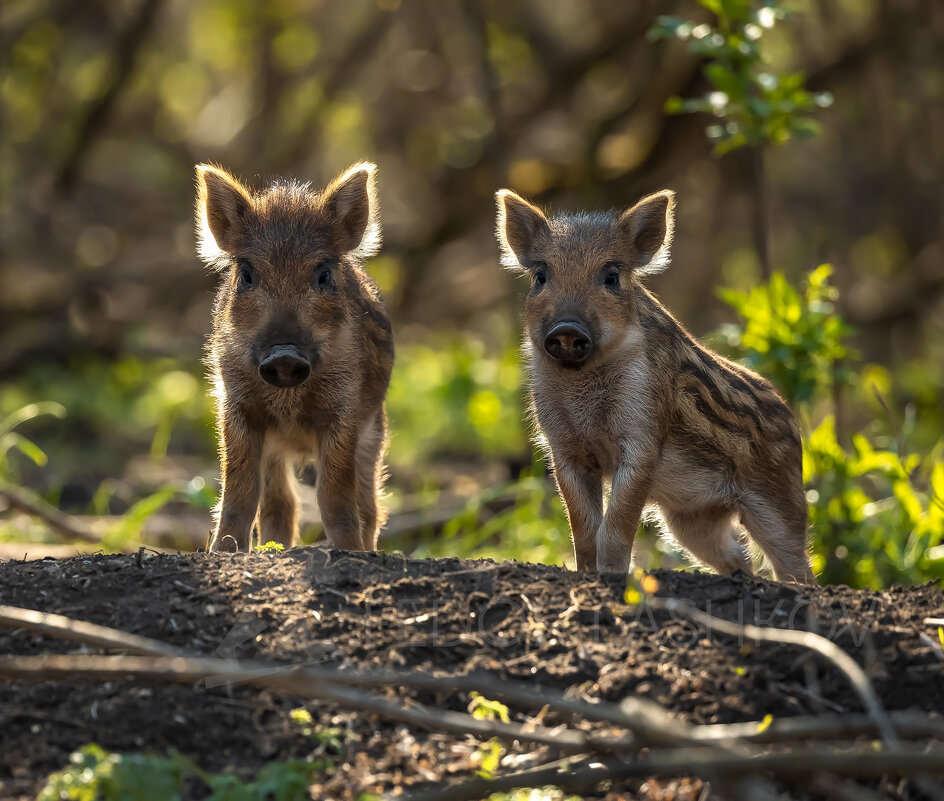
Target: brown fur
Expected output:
[662,419]
[272,249]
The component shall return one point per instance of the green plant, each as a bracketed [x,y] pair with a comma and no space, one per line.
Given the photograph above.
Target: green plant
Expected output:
[94,774]
[330,738]
[490,752]
[481,708]
[271,547]
[119,408]
[877,511]
[118,402]
[793,337]
[454,397]
[752,102]
[521,519]
[11,439]
[877,516]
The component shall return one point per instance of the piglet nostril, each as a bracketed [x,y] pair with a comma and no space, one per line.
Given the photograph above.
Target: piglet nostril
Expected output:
[569,343]
[284,367]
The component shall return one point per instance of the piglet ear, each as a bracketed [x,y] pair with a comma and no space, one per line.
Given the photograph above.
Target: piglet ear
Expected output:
[224,209]
[520,224]
[647,229]
[353,210]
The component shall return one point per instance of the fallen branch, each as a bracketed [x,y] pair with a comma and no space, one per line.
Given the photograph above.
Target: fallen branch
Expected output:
[726,751]
[645,719]
[86,633]
[294,681]
[105,637]
[806,639]
[908,725]
[586,775]
[27,502]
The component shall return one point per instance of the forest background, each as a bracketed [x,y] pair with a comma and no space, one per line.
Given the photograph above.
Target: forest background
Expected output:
[825,146]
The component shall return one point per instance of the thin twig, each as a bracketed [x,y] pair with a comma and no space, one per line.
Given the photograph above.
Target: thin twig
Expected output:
[901,760]
[295,681]
[87,633]
[806,639]
[908,725]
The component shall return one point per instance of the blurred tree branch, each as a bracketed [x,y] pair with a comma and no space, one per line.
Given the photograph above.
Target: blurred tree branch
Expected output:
[126,49]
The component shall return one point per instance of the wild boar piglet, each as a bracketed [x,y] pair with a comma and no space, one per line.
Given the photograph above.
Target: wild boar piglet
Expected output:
[300,354]
[625,399]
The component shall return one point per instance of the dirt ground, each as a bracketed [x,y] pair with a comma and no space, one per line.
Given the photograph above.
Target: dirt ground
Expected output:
[541,625]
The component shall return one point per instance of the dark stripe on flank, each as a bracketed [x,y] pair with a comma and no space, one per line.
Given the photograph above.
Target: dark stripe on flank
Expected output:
[715,419]
[748,388]
[708,381]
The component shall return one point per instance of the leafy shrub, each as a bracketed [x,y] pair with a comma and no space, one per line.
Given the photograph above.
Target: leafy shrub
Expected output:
[455,399]
[877,512]
[120,408]
[792,337]
[877,517]
[753,103]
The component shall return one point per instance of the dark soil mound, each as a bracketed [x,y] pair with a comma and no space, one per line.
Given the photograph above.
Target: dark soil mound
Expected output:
[541,625]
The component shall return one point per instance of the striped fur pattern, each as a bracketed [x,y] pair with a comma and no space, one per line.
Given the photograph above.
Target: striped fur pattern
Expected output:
[650,414]
[293,286]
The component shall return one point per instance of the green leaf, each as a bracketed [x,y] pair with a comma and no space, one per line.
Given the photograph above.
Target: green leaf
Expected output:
[714,6]
[30,412]
[725,80]
[25,446]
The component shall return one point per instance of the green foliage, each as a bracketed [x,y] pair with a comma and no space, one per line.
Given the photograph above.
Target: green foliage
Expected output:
[793,337]
[455,399]
[481,708]
[121,407]
[330,738]
[490,752]
[271,547]
[95,774]
[12,440]
[877,515]
[754,104]
[521,519]
[877,512]
[131,396]
[128,528]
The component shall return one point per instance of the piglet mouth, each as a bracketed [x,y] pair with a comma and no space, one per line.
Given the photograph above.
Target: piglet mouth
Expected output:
[285,366]
[568,365]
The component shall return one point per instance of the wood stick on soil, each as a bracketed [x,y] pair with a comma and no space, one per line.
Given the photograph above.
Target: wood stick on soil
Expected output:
[585,776]
[183,670]
[908,725]
[105,637]
[645,719]
[87,633]
[806,639]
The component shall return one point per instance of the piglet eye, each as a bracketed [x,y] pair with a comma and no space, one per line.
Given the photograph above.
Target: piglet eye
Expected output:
[611,276]
[247,276]
[324,277]
[540,274]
